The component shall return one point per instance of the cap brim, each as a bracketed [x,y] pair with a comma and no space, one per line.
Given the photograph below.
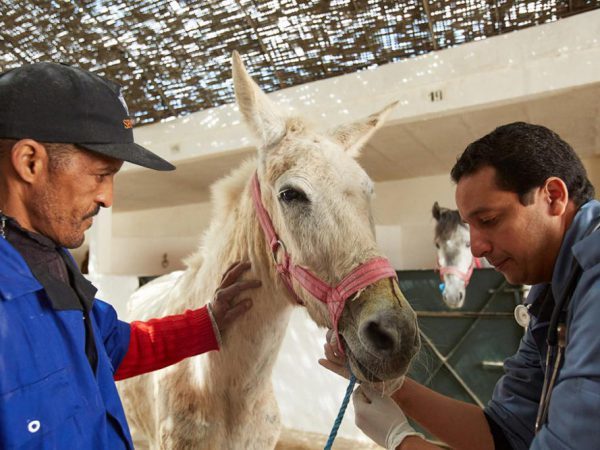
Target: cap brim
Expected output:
[133,153]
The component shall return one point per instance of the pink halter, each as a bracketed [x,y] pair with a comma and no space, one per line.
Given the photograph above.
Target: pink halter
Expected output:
[333,296]
[465,276]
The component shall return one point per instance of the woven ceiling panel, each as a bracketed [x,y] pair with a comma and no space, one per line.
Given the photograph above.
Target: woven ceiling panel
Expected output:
[172,56]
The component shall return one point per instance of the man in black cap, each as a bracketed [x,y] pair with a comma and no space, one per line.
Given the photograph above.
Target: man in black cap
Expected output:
[64,134]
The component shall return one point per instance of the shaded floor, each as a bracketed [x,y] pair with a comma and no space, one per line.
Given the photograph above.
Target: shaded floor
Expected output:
[302,440]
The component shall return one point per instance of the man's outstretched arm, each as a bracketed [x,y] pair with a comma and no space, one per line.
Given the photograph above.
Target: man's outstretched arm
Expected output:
[460,425]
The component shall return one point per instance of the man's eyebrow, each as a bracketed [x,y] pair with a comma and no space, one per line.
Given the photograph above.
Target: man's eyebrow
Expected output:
[108,168]
[476,212]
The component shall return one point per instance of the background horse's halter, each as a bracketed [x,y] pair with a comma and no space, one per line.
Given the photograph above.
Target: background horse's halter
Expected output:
[333,296]
[453,270]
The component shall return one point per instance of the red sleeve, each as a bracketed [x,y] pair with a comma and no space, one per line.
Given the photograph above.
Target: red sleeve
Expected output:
[161,342]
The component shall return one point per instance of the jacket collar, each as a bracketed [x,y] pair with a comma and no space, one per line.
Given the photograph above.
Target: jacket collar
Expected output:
[573,243]
[574,246]
[16,278]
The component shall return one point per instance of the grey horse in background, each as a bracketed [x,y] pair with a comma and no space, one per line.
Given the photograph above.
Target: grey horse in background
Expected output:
[455,261]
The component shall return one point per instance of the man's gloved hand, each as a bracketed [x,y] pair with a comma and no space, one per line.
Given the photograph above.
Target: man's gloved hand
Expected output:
[380,418]
[223,308]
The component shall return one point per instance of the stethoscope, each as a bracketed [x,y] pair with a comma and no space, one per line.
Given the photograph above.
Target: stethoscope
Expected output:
[557,338]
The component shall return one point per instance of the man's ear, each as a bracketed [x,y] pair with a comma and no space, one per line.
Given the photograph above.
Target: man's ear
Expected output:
[29,159]
[557,195]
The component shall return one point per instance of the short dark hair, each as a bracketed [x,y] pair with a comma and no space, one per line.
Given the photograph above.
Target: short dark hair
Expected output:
[58,153]
[524,157]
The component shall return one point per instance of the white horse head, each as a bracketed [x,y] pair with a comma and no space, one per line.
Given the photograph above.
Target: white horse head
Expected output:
[454,258]
[319,201]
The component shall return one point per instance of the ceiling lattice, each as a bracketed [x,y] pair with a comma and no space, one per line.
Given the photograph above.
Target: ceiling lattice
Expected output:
[172,56]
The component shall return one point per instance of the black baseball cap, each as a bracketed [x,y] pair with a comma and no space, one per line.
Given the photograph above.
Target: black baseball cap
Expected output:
[51,102]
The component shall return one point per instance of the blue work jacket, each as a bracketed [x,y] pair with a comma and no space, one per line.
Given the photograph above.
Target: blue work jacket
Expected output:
[49,396]
[574,414]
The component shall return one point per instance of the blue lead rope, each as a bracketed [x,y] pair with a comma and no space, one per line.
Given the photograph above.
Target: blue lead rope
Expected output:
[342,411]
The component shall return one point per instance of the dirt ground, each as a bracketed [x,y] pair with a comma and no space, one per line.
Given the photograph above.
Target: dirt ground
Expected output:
[299,440]
[302,440]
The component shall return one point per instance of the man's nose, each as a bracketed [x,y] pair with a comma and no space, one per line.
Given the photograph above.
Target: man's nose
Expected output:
[105,194]
[480,245]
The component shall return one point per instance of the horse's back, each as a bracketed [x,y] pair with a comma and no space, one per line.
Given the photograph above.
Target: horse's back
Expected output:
[152,300]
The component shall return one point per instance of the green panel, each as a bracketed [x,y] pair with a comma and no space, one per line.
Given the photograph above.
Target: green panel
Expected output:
[466,340]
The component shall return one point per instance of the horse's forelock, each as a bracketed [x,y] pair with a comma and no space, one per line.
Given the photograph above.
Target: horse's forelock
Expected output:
[296,125]
[446,225]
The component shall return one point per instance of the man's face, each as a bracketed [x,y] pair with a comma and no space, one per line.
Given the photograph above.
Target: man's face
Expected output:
[518,240]
[63,204]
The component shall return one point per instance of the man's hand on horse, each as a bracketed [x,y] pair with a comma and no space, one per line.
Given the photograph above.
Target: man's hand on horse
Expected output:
[224,307]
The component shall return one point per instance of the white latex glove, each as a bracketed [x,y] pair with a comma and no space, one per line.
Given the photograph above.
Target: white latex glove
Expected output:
[380,418]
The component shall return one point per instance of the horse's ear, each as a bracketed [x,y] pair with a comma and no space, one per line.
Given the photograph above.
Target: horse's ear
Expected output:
[353,136]
[258,111]
[436,212]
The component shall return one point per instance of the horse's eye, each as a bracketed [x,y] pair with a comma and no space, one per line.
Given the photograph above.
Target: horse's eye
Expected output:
[437,245]
[290,195]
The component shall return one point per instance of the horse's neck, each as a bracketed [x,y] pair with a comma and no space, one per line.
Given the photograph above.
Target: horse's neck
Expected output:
[250,347]
[251,344]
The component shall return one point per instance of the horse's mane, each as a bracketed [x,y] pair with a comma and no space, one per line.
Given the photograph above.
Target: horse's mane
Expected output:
[225,192]
[446,224]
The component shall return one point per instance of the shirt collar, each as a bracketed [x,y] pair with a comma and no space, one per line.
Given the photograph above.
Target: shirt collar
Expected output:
[20,278]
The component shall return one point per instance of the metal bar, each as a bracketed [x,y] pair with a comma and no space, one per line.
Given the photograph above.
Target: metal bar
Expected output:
[426,8]
[476,321]
[464,314]
[492,364]
[464,336]
[450,369]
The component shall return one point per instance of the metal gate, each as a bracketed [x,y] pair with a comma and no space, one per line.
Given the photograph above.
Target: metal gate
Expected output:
[463,350]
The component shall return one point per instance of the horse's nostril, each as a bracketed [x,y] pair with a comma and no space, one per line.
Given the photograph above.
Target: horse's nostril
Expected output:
[461,295]
[380,335]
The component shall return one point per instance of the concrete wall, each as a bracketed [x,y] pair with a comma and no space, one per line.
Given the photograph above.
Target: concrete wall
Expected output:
[592,166]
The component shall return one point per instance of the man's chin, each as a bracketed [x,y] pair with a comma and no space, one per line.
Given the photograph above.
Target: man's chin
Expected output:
[72,242]
[513,278]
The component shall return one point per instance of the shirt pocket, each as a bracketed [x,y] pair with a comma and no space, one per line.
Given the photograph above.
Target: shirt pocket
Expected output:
[38,415]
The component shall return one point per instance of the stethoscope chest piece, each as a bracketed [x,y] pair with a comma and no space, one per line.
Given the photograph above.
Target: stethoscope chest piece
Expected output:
[522,315]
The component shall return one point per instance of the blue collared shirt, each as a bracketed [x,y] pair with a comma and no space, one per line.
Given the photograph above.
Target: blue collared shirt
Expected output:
[574,413]
[50,398]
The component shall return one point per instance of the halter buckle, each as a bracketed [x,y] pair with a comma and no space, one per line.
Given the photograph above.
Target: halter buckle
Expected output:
[275,247]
